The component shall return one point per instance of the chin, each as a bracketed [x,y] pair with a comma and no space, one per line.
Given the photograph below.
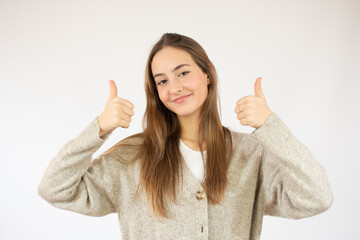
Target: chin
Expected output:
[184,113]
[185,110]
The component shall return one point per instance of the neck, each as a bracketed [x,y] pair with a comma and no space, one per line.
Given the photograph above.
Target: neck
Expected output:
[190,131]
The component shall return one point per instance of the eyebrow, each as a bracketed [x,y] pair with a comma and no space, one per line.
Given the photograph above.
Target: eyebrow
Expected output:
[176,68]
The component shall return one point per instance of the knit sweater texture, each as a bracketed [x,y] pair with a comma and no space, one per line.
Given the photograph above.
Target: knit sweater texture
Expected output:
[270,173]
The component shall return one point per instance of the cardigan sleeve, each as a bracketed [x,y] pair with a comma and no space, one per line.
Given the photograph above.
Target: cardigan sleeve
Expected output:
[295,184]
[75,182]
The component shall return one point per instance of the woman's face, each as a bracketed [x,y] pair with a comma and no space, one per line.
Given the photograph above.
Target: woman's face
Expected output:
[180,82]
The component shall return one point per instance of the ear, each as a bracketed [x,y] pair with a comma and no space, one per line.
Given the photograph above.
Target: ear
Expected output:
[207,77]
[212,69]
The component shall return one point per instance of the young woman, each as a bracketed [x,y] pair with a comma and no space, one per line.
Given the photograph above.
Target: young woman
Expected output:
[186,176]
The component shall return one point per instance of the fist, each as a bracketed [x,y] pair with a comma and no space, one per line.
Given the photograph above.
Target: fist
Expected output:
[253,111]
[117,112]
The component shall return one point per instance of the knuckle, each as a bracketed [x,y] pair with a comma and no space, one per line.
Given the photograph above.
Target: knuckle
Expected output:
[121,119]
[118,100]
[122,104]
[118,122]
[244,121]
[116,111]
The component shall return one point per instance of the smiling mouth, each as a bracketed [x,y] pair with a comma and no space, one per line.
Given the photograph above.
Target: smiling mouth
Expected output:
[181,99]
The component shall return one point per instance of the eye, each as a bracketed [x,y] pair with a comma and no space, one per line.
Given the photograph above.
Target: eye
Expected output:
[184,73]
[161,82]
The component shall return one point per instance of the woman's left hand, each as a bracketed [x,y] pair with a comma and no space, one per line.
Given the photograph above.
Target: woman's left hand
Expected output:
[253,111]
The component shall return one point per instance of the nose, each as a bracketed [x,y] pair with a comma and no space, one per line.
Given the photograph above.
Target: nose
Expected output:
[175,86]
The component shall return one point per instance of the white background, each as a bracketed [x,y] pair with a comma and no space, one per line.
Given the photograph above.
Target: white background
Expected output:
[56,58]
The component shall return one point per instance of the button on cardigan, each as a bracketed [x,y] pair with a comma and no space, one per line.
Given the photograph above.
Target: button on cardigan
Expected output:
[270,173]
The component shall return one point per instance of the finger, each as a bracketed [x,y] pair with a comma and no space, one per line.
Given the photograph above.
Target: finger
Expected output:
[124,124]
[113,89]
[125,102]
[258,88]
[129,104]
[244,122]
[125,117]
[128,111]
[241,116]
[244,100]
[236,109]
[242,107]
[239,108]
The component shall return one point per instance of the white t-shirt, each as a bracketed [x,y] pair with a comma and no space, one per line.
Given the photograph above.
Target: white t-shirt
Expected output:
[193,160]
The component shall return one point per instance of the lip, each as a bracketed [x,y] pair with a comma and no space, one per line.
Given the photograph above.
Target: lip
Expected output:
[181,98]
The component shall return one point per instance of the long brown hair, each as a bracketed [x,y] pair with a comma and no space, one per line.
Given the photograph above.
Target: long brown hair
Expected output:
[159,154]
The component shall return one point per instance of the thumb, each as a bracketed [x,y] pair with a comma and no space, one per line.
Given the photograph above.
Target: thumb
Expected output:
[113,89]
[258,88]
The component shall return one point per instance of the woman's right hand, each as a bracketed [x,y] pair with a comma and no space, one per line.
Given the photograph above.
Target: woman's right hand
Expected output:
[117,112]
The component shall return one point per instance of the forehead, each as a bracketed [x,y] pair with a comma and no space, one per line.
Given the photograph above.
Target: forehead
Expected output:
[168,58]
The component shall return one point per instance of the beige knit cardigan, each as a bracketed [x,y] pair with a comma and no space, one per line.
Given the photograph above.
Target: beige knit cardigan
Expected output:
[270,173]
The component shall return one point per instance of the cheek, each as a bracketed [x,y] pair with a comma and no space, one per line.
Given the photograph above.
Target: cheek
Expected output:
[204,90]
[192,84]
[200,86]
[205,93]
[162,94]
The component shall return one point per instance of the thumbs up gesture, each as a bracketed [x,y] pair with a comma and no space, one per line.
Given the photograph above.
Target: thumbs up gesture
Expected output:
[117,112]
[253,111]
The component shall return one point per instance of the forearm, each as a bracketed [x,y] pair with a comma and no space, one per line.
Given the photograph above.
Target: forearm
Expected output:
[295,181]
[64,183]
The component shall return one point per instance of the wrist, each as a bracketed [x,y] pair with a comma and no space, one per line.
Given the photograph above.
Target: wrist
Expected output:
[101,131]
